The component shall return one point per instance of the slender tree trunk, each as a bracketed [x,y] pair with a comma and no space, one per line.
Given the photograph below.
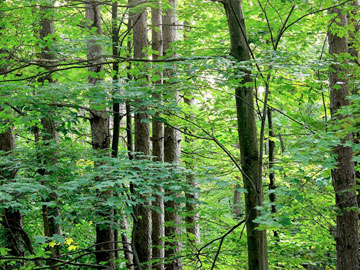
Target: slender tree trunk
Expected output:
[250,161]
[157,217]
[237,201]
[347,219]
[100,135]
[50,136]
[272,185]
[171,148]
[115,139]
[142,224]
[192,215]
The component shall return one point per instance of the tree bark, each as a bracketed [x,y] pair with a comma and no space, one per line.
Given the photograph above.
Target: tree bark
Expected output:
[157,217]
[192,215]
[115,139]
[272,185]
[50,136]
[171,148]
[142,212]
[250,161]
[347,219]
[100,136]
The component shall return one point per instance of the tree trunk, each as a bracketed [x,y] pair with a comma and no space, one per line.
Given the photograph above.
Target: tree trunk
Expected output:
[115,139]
[256,239]
[272,185]
[142,224]
[11,218]
[50,136]
[347,237]
[171,149]
[158,146]
[237,202]
[192,215]
[100,135]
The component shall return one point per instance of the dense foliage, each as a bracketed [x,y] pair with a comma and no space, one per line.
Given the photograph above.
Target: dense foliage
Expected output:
[290,67]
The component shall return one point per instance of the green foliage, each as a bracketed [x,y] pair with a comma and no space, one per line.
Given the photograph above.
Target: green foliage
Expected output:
[296,72]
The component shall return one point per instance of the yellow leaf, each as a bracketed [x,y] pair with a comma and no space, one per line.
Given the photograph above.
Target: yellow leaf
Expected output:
[52,243]
[72,247]
[69,241]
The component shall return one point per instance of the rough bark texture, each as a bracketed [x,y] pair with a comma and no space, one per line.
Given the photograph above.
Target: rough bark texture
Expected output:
[256,239]
[347,235]
[142,224]
[100,136]
[157,217]
[171,148]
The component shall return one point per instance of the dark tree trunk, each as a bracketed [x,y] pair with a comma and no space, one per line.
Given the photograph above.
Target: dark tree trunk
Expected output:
[100,136]
[347,234]
[272,185]
[115,139]
[250,161]
[157,215]
[11,218]
[142,212]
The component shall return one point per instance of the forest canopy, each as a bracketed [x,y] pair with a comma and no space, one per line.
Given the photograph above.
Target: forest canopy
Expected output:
[179,134]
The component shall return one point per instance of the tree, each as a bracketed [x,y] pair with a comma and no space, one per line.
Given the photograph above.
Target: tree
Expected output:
[347,218]
[100,133]
[250,160]
[142,213]
[171,146]
[157,143]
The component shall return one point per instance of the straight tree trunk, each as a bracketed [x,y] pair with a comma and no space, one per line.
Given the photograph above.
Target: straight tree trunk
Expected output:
[347,219]
[171,148]
[50,136]
[192,215]
[115,139]
[157,215]
[250,160]
[272,185]
[100,136]
[237,201]
[142,212]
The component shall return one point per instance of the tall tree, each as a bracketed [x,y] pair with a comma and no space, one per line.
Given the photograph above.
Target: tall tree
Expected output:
[272,185]
[142,213]
[192,215]
[347,218]
[250,158]
[49,133]
[157,144]
[116,132]
[100,134]
[171,145]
